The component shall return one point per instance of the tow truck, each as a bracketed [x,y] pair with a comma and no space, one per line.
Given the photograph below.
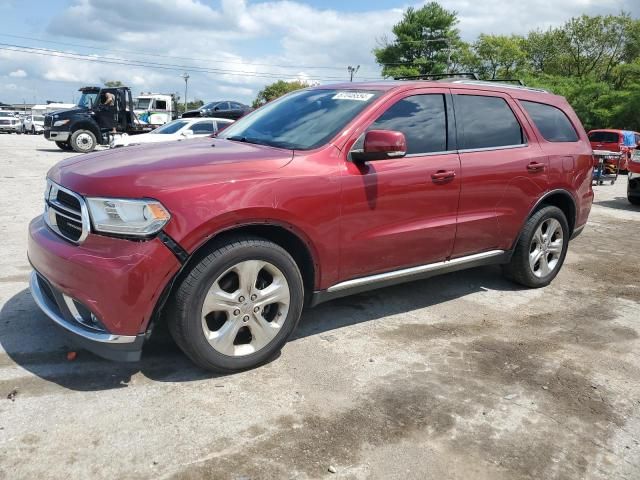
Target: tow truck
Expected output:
[90,122]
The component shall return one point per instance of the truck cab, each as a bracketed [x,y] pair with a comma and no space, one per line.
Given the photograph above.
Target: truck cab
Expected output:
[91,121]
[155,108]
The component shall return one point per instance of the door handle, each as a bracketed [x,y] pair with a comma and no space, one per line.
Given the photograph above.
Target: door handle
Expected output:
[442,176]
[535,167]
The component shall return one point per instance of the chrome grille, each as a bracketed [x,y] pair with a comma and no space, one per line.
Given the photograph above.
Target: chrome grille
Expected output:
[66,213]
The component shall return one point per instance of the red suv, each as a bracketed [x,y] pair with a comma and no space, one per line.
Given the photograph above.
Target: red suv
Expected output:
[322,193]
[615,141]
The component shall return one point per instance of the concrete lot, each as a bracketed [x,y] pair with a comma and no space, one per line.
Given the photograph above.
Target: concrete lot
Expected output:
[464,376]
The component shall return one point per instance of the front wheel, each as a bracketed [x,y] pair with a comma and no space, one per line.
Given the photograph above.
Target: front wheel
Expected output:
[541,249]
[238,305]
[83,141]
[634,200]
[64,146]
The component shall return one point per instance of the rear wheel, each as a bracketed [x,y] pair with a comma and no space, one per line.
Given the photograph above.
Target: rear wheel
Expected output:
[237,306]
[64,146]
[634,200]
[541,249]
[83,141]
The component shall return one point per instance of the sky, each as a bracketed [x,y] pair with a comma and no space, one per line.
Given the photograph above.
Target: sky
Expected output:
[229,48]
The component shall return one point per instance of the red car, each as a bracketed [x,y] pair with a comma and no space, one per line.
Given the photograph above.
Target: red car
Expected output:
[614,141]
[322,193]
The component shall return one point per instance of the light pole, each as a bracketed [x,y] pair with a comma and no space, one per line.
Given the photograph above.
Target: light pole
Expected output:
[352,71]
[185,75]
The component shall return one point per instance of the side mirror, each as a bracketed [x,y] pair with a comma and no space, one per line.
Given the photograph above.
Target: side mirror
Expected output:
[187,133]
[381,145]
[216,109]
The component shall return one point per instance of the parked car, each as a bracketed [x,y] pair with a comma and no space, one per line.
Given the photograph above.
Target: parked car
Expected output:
[633,187]
[176,130]
[328,191]
[10,122]
[33,123]
[622,141]
[220,109]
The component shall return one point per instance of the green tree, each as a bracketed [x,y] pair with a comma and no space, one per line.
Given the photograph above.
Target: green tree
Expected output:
[425,42]
[275,90]
[113,83]
[498,56]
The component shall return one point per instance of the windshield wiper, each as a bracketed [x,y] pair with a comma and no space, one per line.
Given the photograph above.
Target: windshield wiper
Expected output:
[257,141]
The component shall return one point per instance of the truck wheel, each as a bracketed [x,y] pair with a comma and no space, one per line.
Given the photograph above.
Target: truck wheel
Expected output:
[541,249]
[237,306]
[83,141]
[64,146]
[634,200]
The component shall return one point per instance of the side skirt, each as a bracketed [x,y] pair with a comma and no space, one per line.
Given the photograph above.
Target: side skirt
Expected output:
[419,272]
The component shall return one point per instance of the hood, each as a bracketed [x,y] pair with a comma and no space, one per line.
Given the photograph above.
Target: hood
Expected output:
[148,170]
[68,111]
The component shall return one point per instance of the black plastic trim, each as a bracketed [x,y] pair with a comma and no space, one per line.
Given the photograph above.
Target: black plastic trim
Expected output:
[180,253]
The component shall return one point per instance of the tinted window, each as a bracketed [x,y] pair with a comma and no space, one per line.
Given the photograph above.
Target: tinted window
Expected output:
[221,106]
[171,127]
[551,121]
[235,106]
[421,118]
[604,137]
[161,104]
[202,127]
[301,120]
[486,122]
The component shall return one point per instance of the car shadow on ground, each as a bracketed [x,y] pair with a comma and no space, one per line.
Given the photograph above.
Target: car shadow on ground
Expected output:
[162,361]
[618,203]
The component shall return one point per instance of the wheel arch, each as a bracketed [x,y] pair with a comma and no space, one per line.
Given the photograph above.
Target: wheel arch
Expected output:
[560,198]
[86,125]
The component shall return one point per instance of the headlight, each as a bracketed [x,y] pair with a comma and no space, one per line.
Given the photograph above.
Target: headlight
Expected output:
[138,218]
[59,123]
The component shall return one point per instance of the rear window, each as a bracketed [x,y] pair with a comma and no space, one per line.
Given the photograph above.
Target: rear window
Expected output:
[552,122]
[487,122]
[604,137]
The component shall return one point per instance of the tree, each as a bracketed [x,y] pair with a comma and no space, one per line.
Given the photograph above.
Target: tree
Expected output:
[498,56]
[277,89]
[113,83]
[425,41]
[194,104]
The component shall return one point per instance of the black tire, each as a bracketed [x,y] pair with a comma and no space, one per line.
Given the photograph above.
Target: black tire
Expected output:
[634,200]
[184,314]
[519,269]
[33,130]
[64,146]
[83,141]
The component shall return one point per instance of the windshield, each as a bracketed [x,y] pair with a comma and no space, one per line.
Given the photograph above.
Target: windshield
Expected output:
[208,106]
[302,120]
[5,114]
[142,103]
[88,99]
[171,127]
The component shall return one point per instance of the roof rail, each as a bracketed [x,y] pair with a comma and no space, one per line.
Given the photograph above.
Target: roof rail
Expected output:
[438,76]
[496,83]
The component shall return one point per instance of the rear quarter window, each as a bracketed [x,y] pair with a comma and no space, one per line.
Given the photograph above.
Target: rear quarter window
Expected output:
[553,123]
[604,137]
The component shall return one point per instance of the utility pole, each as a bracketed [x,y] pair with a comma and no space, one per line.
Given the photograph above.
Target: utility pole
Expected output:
[185,75]
[352,71]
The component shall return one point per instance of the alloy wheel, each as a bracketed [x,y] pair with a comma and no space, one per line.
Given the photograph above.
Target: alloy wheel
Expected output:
[546,248]
[245,308]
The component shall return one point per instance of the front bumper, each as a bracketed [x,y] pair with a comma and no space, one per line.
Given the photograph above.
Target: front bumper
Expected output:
[56,135]
[11,128]
[119,281]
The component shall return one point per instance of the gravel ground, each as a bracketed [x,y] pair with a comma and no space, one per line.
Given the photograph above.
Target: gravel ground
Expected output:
[456,377]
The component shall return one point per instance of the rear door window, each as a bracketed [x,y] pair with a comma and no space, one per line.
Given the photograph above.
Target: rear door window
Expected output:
[202,128]
[552,122]
[486,122]
[421,118]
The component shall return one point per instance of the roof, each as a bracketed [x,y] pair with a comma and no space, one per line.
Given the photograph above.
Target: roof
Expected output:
[519,91]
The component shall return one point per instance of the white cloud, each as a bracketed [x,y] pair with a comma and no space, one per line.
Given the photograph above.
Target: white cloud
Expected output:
[260,42]
[19,73]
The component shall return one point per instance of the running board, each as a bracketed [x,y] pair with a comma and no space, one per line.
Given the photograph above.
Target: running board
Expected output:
[386,279]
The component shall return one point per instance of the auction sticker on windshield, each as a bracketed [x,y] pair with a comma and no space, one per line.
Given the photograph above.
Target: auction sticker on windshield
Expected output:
[360,96]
